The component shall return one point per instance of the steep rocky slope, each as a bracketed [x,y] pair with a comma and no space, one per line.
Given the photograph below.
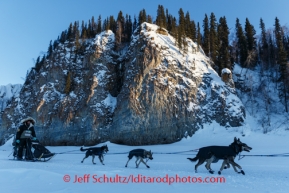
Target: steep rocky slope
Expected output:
[7,92]
[168,94]
[147,92]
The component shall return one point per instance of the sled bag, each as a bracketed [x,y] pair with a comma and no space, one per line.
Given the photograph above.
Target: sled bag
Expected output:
[26,134]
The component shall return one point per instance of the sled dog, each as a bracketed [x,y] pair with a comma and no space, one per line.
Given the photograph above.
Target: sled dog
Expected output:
[213,154]
[95,151]
[140,155]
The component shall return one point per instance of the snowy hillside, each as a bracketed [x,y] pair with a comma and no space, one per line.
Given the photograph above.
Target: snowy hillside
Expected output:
[258,90]
[7,92]
[262,174]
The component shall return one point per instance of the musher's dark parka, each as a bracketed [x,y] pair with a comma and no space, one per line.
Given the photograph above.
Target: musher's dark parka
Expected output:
[23,137]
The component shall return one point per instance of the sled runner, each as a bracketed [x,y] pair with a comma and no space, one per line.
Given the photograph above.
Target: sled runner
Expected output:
[38,152]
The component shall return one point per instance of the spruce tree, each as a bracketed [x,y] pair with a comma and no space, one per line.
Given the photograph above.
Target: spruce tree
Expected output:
[77,36]
[250,33]
[174,32]
[223,60]
[199,36]
[93,27]
[112,24]
[188,30]
[168,19]
[263,51]
[75,28]
[99,25]
[193,31]
[134,25]
[282,61]
[37,64]
[206,35]
[83,28]
[251,43]
[119,30]
[50,49]
[150,19]
[63,37]
[271,50]
[181,29]
[142,17]
[70,32]
[105,24]
[213,38]
[84,34]
[89,29]
[169,23]
[161,17]
[128,28]
[241,44]
[55,44]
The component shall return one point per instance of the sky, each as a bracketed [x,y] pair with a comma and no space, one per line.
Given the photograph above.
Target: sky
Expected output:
[26,27]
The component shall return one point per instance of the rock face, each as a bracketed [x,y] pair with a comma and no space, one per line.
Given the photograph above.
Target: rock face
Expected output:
[80,116]
[168,94]
[227,77]
[147,93]
[6,94]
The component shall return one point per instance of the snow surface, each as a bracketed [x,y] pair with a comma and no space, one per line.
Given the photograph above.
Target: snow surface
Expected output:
[7,92]
[226,71]
[261,99]
[110,102]
[263,174]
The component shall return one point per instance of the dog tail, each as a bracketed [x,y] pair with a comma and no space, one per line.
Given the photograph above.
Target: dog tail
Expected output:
[193,159]
[81,149]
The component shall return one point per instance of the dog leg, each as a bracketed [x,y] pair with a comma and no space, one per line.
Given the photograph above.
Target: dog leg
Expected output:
[93,156]
[141,160]
[225,162]
[234,167]
[228,166]
[208,164]
[136,162]
[242,172]
[201,161]
[127,162]
[145,163]
[234,164]
[100,159]
[86,156]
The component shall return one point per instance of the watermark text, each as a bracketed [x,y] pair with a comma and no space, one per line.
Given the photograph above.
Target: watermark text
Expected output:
[166,179]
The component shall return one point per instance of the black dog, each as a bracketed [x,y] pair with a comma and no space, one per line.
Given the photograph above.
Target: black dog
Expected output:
[230,159]
[215,153]
[95,151]
[140,154]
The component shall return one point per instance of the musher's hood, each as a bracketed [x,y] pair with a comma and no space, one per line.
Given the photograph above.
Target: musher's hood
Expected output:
[28,119]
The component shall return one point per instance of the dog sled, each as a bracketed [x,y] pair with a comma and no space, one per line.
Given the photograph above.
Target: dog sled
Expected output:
[38,153]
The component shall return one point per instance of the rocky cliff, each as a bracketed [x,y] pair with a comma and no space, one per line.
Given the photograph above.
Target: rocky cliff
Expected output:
[147,92]
[7,92]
